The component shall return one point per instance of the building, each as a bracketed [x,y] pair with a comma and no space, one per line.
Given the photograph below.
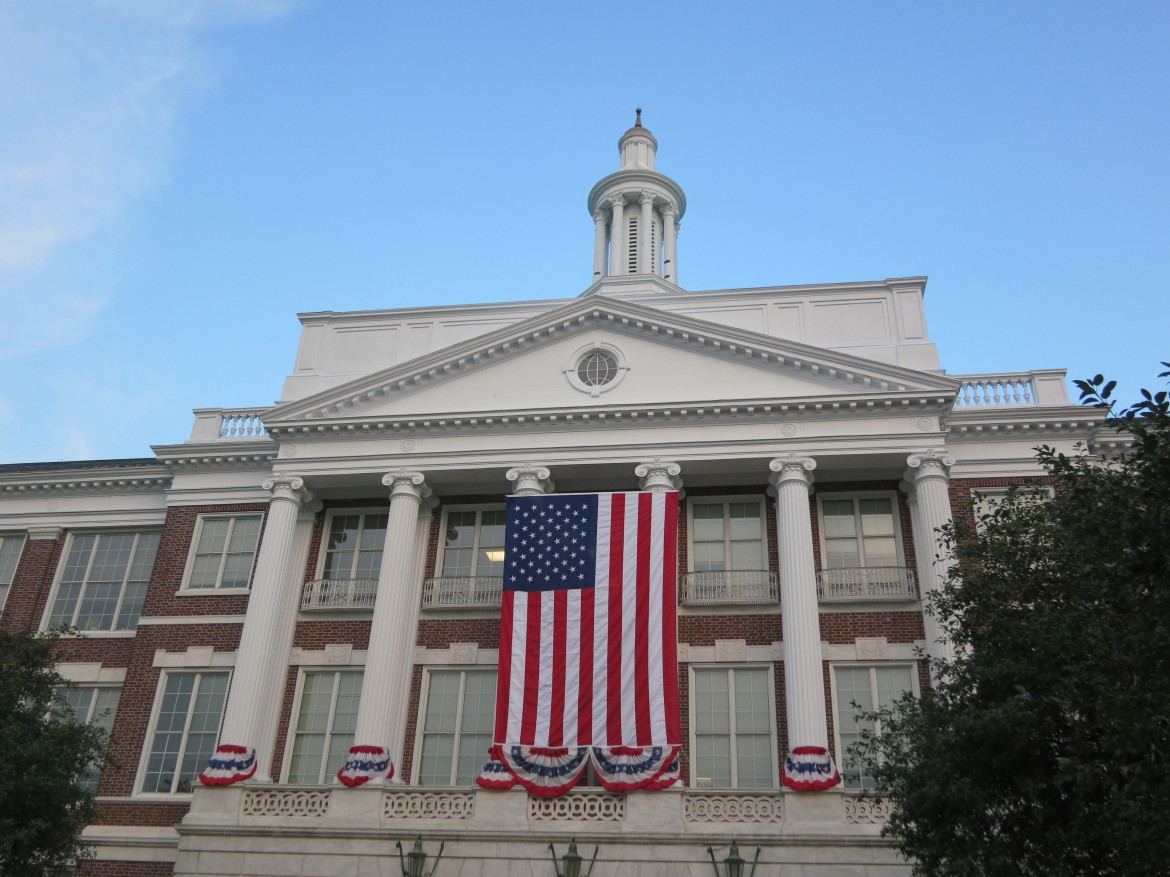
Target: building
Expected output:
[294,577]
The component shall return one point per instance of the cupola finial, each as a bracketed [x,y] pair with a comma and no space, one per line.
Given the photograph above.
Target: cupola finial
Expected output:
[638,120]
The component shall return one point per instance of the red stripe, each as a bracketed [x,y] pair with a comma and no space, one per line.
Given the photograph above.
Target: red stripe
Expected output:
[669,630]
[556,736]
[585,697]
[531,672]
[504,675]
[642,626]
[613,669]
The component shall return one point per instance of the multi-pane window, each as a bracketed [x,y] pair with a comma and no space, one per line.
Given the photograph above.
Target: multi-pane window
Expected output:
[103,581]
[859,532]
[354,549]
[727,535]
[185,730]
[325,724]
[473,542]
[94,706]
[733,728]
[870,688]
[457,726]
[10,547]
[224,549]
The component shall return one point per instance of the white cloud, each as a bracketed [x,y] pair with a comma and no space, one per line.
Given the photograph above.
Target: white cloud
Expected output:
[91,92]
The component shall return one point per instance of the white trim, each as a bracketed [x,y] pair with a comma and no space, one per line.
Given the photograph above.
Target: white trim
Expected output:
[195,657]
[152,728]
[847,653]
[458,654]
[185,588]
[190,619]
[772,727]
[132,843]
[714,655]
[333,655]
[91,673]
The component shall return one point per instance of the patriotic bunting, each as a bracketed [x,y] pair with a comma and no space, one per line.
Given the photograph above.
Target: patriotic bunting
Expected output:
[229,764]
[366,763]
[810,769]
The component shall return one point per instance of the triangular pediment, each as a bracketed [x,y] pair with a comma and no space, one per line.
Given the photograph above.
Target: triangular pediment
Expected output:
[661,358]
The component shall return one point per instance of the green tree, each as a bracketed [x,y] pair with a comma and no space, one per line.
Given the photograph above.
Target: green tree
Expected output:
[1044,747]
[42,808]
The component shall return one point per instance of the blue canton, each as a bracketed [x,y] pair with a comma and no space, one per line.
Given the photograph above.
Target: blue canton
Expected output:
[551,542]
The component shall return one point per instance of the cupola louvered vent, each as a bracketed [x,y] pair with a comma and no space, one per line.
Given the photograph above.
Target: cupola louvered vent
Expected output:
[632,246]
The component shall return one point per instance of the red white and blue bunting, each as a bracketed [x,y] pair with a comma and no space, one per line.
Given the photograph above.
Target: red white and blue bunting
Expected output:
[810,769]
[495,775]
[544,770]
[229,764]
[551,771]
[366,763]
[625,768]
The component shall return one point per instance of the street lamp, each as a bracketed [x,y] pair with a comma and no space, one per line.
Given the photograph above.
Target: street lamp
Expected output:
[414,865]
[570,864]
[733,864]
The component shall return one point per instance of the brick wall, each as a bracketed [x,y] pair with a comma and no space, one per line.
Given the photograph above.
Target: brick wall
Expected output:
[125,869]
[31,583]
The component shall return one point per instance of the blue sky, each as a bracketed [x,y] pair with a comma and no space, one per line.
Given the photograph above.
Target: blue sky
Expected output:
[179,178]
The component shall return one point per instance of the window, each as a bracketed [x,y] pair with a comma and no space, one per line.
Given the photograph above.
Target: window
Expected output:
[325,724]
[457,726]
[223,551]
[473,542]
[94,706]
[597,369]
[727,535]
[103,581]
[871,688]
[859,532]
[190,710]
[733,728]
[354,549]
[10,548]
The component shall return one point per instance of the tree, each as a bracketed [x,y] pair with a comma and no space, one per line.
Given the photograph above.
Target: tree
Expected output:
[42,808]
[1044,746]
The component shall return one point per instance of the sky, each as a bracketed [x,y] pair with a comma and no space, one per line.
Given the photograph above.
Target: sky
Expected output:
[180,178]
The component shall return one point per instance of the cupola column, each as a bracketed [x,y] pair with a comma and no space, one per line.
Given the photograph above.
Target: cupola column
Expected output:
[929,475]
[646,235]
[808,767]
[669,244]
[380,730]
[598,244]
[617,235]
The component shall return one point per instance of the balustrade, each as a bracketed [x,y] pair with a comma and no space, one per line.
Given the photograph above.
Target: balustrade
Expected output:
[982,391]
[743,586]
[866,583]
[339,594]
[451,592]
[241,423]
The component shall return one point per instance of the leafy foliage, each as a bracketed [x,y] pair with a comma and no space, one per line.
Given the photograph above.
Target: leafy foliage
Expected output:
[42,809]
[1044,747]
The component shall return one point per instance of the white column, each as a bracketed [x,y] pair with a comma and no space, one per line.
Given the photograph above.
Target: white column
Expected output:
[617,235]
[645,265]
[531,479]
[929,474]
[804,686]
[598,244]
[385,703]
[659,476]
[262,658]
[669,244]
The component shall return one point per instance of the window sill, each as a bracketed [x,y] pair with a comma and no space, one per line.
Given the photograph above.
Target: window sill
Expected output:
[211,592]
[99,634]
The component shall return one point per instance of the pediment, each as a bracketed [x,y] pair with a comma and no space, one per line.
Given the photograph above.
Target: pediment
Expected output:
[663,359]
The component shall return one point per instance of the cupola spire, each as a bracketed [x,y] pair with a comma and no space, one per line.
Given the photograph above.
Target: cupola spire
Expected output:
[636,212]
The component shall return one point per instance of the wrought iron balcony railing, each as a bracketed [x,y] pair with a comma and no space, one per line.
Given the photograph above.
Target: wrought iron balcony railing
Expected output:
[730,586]
[339,594]
[866,583]
[460,592]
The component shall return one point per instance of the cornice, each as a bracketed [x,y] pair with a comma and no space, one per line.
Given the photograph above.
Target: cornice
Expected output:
[979,423]
[80,482]
[633,178]
[224,454]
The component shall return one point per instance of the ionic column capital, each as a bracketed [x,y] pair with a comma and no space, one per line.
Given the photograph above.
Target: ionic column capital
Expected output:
[407,483]
[928,464]
[530,480]
[288,487]
[792,468]
[659,476]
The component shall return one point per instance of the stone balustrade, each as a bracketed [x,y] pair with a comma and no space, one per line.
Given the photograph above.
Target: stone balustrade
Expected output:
[863,584]
[339,594]
[1038,387]
[730,587]
[459,592]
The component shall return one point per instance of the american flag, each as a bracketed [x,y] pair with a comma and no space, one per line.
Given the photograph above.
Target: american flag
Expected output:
[588,650]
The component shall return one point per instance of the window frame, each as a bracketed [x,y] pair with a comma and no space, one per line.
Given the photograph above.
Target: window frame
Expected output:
[63,562]
[692,732]
[891,495]
[441,552]
[89,718]
[6,586]
[726,500]
[294,716]
[185,587]
[420,723]
[152,729]
[872,666]
[327,528]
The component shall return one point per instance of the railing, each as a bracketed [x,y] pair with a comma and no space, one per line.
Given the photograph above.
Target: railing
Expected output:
[744,586]
[451,592]
[339,594]
[986,390]
[228,424]
[866,583]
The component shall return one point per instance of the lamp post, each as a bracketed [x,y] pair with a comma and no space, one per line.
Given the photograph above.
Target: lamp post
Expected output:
[570,864]
[415,863]
[734,864]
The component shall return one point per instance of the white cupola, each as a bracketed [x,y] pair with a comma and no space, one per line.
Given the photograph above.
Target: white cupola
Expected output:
[636,212]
